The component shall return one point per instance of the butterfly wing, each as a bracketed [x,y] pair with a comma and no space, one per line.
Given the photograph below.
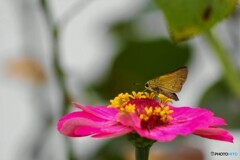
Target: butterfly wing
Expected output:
[172,82]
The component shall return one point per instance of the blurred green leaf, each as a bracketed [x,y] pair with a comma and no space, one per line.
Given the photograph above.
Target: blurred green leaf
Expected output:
[187,18]
[140,61]
[223,103]
[114,149]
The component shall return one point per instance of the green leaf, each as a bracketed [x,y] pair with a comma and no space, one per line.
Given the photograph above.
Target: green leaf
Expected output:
[223,103]
[187,18]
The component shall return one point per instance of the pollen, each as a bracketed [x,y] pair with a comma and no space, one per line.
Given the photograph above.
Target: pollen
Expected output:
[166,114]
[144,117]
[152,95]
[120,100]
[149,111]
[137,95]
[162,113]
[130,108]
[157,110]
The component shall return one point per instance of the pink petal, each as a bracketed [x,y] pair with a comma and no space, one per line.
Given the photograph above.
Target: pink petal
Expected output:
[74,126]
[216,121]
[74,123]
[188,113]
[82,131]
[102,112]
[186,120]
[70,126]
[215,133]
[130,120]
[77,115]
[113,131]
[155,134]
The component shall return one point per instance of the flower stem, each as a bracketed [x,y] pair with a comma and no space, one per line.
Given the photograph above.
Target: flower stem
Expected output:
[231,75]
[142,146]
[142,153]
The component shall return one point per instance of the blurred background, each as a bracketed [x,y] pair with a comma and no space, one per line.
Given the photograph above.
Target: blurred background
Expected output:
[54,52]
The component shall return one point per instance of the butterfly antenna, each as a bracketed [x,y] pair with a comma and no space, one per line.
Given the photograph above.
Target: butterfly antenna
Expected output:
[137,84]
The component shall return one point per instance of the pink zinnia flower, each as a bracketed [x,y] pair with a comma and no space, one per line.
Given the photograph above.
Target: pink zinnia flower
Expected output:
[143,114]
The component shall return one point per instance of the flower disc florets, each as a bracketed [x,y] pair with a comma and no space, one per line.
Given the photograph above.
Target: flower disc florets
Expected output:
[151,112]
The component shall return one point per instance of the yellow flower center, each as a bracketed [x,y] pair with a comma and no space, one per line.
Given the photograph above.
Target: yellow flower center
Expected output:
[152,109]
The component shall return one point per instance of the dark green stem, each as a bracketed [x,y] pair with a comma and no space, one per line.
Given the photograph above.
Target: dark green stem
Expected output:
[142,146]
[231,75]
[142,153]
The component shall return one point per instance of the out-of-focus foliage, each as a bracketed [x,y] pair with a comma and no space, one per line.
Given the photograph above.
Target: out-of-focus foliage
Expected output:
[187,18]
[115,149]
[140,61]
[223,103]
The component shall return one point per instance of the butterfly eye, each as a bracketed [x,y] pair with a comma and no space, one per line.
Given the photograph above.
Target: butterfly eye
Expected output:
[146,85]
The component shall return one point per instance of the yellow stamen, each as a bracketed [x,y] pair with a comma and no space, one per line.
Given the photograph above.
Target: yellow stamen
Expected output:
[157,110]
[130,108]
[137,95]
[120,100]
[163,99]
[144,117]
[143,95]
[165,114]
[149,111]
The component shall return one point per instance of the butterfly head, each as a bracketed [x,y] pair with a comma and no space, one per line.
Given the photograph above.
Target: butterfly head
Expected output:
[148,86]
